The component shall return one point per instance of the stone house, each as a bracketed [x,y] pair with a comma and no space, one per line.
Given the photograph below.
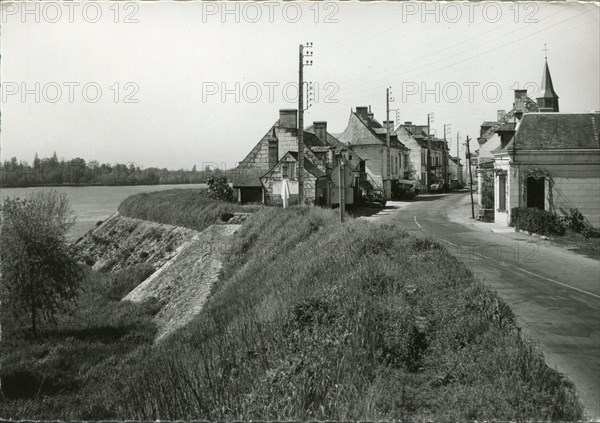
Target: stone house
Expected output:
[415,137]
[552,163]
[258,177]
[366,137]
[287,168]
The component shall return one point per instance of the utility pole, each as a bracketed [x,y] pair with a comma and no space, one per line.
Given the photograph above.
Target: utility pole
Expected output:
[471,178]
[459,173]
[445,156]
[428,166]
[301,65]
[387,191]
[342,183]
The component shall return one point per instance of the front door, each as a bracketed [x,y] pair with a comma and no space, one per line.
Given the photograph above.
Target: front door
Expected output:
[535,193]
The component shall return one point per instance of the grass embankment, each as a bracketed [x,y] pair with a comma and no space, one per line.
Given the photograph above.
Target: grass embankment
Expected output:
[312,319]
[68,372]
[180,207]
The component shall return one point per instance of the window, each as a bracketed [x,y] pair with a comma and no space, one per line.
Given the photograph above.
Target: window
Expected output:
[285,171]
[535,192]
[502,193]
[289,170]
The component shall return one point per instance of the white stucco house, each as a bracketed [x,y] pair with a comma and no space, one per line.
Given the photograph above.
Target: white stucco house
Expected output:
[552,163]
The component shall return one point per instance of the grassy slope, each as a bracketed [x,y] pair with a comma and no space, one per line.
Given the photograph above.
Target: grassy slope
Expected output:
[317,320]
[181,207]
[68,372]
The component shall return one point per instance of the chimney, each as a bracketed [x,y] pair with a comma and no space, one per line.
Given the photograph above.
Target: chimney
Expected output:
[321,130]
[391,123]
[408,124]
[362,112]
[520,96]
[288,118]
[500,115]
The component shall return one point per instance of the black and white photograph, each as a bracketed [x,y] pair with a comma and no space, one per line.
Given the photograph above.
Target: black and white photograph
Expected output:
[342,211]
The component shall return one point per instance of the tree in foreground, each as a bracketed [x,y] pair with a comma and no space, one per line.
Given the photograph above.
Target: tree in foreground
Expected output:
[38,275]
[219,189]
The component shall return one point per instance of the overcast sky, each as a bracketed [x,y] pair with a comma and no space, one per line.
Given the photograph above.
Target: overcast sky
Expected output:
[162,68]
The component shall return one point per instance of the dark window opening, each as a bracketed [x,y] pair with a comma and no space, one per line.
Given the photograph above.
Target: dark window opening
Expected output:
[502,193]
[536,193]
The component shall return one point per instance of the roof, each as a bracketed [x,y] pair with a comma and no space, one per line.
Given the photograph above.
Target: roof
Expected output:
[507,127]
[331,139]
[556,131]
[547,88]
[378,131]
[247,177]
[311,140]
[308,165]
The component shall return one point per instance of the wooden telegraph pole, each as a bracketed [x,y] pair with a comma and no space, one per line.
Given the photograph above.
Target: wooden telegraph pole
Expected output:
[342,183]
[388,195]
[470,178]
[301,64]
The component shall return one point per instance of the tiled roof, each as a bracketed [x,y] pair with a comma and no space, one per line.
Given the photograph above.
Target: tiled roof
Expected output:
[551,131]
[331,139]
[308,165]
[247,178]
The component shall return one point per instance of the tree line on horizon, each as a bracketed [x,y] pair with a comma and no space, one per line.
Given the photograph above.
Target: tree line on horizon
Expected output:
[51,171]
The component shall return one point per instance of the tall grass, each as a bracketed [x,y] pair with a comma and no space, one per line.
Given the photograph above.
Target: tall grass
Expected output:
[181,207]
[312,319]
[69,371]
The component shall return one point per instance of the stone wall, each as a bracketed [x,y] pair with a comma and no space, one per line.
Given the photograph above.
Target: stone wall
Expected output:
[121,242]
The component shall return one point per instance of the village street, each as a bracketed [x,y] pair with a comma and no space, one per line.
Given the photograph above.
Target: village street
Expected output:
[555,293]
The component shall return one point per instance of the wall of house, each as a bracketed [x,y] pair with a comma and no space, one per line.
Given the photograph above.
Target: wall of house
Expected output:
[576,178]
[455,173]
[414,164]
[273,186]
[376,161]
[348,185]
[259,156]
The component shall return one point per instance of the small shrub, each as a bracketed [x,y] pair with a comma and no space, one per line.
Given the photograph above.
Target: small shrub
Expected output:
[589,232]
[536,221]
[219,189]
[575,221]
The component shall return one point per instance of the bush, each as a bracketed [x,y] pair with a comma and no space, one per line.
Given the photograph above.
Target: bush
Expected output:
[536,221]
[219,189]
[576,222]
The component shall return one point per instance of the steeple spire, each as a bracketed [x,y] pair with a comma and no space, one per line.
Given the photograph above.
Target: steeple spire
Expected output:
[548,99]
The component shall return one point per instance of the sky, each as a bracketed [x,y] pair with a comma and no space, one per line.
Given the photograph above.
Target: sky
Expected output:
[178,84]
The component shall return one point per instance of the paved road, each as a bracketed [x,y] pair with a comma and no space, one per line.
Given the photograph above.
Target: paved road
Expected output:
[554,293]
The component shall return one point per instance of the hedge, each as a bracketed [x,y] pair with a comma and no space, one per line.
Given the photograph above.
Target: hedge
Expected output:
[537,221]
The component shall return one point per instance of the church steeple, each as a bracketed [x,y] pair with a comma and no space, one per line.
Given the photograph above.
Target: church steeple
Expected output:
[548,100]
